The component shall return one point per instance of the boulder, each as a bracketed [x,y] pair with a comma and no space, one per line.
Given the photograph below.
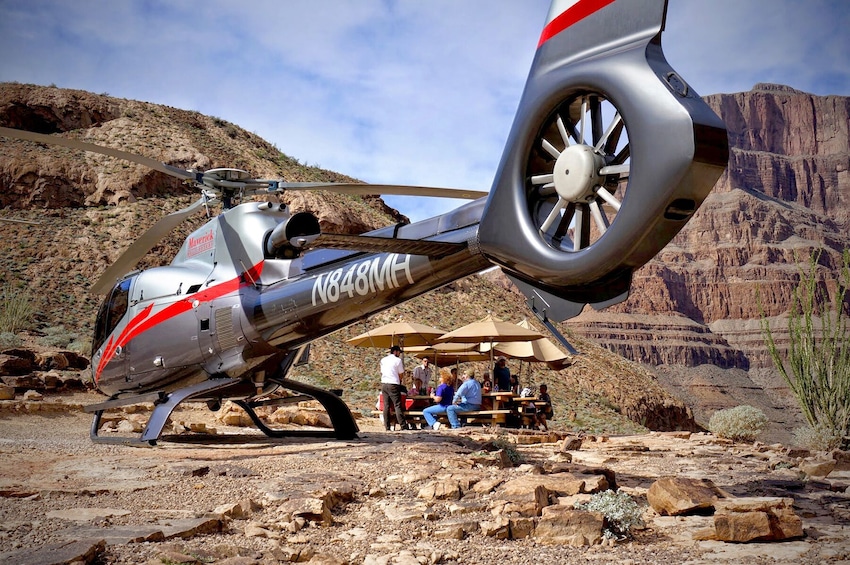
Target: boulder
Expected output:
[761,518]
[563,526]
[446,489]
[817,467]
[675,496]
[14,366]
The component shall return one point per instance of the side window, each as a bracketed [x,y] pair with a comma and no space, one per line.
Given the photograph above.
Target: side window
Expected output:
[111,312]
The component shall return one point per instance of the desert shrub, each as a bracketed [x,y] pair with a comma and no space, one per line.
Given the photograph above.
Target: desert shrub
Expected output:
[58,336]
[509,448]
[621,511]
[741,423]
[816,365]
[79,345]
[817,438]
[8,339]
[16,310]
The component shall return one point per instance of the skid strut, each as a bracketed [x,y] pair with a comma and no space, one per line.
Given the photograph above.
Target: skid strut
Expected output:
[164,405]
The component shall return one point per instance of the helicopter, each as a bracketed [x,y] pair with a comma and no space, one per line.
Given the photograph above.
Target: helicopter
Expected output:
[609,155]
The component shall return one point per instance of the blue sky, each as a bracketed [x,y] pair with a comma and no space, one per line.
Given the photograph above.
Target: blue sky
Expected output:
[404,91]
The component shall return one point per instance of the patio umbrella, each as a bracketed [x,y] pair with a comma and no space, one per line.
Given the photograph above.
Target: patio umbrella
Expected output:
[539,350]
[397,333]
[449,353]
[489,330]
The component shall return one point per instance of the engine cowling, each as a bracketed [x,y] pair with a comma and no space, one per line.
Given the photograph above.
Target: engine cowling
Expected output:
[292,235]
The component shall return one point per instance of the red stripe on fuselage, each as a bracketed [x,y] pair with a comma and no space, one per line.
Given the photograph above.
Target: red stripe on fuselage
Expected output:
[571,15]
[143,321]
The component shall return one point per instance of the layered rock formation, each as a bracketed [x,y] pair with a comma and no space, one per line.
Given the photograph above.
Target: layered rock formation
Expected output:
[785,193]
[32,175]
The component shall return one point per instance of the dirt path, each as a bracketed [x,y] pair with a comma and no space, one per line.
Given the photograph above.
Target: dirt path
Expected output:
[56,487]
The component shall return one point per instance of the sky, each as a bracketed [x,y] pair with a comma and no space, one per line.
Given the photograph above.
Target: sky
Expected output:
[387,91]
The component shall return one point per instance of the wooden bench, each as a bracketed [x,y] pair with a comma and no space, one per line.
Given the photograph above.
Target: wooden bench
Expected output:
[472,416]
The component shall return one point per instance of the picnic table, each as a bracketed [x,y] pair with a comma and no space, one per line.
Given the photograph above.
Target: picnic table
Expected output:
[504,408]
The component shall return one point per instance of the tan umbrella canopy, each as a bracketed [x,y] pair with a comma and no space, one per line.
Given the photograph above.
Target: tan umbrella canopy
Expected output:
[539,350]
[449,353]
[489,330]
[452,357]
[397,333]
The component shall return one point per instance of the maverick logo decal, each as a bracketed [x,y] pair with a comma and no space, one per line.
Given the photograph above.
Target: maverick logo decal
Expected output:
[362,278]
[200,243]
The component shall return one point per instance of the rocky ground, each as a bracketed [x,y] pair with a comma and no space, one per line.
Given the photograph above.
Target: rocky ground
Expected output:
[406,497]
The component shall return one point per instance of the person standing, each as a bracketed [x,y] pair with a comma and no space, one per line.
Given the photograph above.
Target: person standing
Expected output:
[424,373]
[502,375]
[442,397]
[467,398]
[392,369]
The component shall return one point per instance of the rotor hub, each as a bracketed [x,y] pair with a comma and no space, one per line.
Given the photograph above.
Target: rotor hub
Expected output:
[576,173]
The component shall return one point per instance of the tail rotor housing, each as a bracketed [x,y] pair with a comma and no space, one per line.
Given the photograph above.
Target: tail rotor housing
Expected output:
[610,154]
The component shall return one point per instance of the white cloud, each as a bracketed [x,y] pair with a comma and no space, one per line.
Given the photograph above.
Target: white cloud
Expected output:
[389,91]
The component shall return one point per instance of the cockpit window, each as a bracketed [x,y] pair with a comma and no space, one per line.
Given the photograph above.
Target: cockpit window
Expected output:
[111,312]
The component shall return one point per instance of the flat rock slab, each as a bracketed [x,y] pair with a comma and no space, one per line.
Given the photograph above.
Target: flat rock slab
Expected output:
[52,473]
[82,551]
[86,514]
[171,529]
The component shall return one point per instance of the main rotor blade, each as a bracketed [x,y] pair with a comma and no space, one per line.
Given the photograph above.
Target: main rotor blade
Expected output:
[141,246]
[83,146]
[390,189]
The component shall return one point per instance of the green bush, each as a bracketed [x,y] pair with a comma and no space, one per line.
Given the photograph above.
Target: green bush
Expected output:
[742,423]
[621,511]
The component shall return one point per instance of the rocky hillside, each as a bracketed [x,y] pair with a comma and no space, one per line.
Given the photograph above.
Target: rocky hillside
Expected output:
[90,208]
[785,193]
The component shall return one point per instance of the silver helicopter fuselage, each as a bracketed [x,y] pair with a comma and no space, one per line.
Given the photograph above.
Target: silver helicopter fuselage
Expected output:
[223,306]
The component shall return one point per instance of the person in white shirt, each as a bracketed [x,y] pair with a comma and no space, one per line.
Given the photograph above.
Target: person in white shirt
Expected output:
[392,368]
[424,373]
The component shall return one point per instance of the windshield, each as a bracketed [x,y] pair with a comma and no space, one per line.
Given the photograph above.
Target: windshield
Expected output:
[111,312]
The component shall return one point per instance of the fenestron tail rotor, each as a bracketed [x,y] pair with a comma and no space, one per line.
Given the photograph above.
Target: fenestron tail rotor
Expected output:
[578,172]
[611,152]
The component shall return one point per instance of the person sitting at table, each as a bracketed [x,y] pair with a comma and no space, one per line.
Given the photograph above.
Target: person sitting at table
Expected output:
[467,398]
[544,407]
[502,375]
[442,398]
[418,389]
[514,386]
[486,388]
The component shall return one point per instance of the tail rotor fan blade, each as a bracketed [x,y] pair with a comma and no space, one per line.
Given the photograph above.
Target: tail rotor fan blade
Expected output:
[141,246]
[585,209]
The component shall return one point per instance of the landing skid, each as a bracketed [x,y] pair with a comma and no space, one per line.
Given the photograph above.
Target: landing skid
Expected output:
[164,404]
[341,418]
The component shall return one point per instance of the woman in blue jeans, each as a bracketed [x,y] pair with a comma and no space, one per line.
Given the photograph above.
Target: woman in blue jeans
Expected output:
[443,398]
